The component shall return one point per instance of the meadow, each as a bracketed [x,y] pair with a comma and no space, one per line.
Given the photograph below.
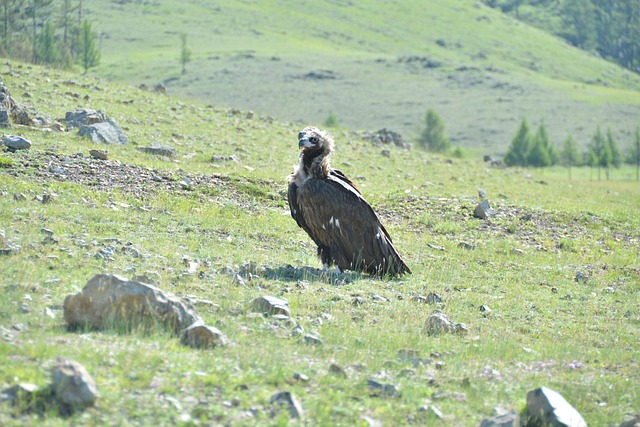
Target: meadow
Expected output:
[371,64]
[512,279]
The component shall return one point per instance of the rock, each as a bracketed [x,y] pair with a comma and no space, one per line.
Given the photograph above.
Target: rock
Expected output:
[386,136]
[16,142]
[337,370]
[310,339]
[580,277]
[200,335]
[270,305]
[84,117]
[438,323]
[433,298]
[4,118]
[72,385]
[511,419]
[632,422]
[159,150]
[483,210]
[99,154]
[20,392]
[286,399]
[382,390]
[19,197]
[107,132]
[547,407]
[109,301]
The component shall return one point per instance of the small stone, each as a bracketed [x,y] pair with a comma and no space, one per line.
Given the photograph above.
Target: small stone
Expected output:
[99,154]
[433,298]
[510,419]
[19,392]
[466,245]
[580,277]
[19,197]
[16,142]
[270,305]
[383,390]
[310,339]
[300,377]
[200,335]
[485,309]
[286,399]
[634,421]
[483,210]
[297,330]
[337,370]
[72,385]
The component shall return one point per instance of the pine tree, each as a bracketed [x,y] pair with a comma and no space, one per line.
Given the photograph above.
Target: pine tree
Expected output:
[432,136]
[633,156]
[569,155]
[517,152]
[35,9]
[89,55]
[47,48]
[538,155]
[185,53]
[599,153]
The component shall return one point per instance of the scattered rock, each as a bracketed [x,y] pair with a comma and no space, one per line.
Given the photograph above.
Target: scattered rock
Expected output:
[385,136]
[438,323]
[111,301]
[382,390]
[19,197]
[99,154]
[84,117]
[22,392]
[511,419]
[270,305]
[200,335]
[218,158]
[632,422]
[581,277]
[286,399]
[337,370]
[16,142]
[107,132]
[483,210]
[310,339]
[466,245]
[546,407]
[72,385]
[159,150]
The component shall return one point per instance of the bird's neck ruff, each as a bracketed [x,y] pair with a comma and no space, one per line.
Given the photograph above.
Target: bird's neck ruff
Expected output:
[315,163]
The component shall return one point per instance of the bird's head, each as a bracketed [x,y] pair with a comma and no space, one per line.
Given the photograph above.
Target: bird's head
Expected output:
[314,139]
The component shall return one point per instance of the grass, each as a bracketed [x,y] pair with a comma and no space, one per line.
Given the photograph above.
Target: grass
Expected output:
[543,327]
[494,70]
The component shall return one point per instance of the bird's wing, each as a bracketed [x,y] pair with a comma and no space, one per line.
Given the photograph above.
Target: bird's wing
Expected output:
[339,218]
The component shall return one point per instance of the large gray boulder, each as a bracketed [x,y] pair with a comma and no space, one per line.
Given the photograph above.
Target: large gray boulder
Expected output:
[109,301]
[107,132]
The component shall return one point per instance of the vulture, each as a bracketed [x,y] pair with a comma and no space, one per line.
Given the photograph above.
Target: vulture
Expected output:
[329,207]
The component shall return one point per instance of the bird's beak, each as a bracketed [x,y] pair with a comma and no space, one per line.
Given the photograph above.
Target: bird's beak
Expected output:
[304,143]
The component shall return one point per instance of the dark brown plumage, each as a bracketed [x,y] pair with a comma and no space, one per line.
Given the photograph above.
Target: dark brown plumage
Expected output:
[328,206]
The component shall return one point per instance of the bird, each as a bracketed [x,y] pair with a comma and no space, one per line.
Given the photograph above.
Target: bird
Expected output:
[330,208]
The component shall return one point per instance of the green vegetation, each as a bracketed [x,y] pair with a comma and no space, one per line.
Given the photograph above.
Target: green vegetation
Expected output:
[544,327]
[432,137]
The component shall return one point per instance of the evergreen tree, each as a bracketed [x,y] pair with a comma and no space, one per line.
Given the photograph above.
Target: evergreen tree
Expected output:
[36,9]
[616,156]
[432,136]
[578,17]
[599,155]
[542,137]
[569,155]
[517,152]
[633,157]
[11,23]
[47,46]
[89,55]
[538,155]
[185,53]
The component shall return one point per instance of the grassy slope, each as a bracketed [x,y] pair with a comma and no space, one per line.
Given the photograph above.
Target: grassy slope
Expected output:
[544,328]
[252,55]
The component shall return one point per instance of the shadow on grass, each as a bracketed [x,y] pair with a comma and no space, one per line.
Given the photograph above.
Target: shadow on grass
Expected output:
[289,273]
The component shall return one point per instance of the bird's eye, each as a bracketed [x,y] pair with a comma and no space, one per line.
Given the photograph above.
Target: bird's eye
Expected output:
[313,139]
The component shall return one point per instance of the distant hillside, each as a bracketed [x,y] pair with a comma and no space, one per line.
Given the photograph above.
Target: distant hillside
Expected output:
[372,65]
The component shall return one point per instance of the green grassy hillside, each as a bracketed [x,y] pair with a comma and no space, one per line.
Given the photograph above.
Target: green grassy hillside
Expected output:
[543,328]
[487,72]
